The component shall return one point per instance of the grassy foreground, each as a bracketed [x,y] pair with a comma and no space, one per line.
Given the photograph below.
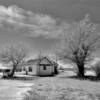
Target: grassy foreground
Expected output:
[63,89]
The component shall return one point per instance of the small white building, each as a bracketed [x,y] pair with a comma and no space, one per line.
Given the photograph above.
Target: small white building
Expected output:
[42,67]
[31,66]
[46,67]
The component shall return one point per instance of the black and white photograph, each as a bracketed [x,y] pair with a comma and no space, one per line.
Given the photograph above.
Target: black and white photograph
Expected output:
[49,49]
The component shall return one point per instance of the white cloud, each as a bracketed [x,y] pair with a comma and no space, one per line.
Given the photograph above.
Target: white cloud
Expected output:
[11,11]
[30,23]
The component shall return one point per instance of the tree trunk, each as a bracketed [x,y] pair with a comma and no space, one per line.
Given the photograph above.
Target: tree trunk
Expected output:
[26,72]
[11,74]
[80,70]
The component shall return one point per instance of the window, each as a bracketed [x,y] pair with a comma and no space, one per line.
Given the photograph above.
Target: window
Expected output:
[30,69]
[44,67]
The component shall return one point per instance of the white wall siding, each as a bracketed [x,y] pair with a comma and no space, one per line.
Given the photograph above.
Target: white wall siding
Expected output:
[48,71]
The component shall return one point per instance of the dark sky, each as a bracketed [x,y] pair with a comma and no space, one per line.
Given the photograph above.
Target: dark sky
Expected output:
[66,9]
[69,10]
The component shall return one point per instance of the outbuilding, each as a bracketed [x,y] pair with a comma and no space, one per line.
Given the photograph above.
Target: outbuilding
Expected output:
[46,67]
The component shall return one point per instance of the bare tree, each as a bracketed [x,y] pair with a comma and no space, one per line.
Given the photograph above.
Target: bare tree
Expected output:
[14,55]
[80,44]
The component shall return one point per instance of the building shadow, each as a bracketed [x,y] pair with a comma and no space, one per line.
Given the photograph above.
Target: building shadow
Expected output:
[22,78]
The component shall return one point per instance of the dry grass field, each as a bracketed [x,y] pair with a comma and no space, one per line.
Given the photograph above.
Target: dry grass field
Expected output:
[63,88]
[13,89]
[60,87]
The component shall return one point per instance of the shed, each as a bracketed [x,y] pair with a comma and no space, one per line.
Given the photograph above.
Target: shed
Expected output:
[46,67]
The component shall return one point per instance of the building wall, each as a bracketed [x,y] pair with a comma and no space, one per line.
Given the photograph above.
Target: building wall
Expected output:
[48,71]
[34,69]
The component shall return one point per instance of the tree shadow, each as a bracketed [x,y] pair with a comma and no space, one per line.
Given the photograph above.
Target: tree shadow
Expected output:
[89,77]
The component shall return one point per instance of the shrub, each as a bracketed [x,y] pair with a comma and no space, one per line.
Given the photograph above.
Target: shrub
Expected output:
[96,68]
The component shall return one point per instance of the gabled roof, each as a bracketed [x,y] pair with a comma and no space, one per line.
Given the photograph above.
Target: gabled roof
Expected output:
[41,59]
[32,61]
[38,61]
